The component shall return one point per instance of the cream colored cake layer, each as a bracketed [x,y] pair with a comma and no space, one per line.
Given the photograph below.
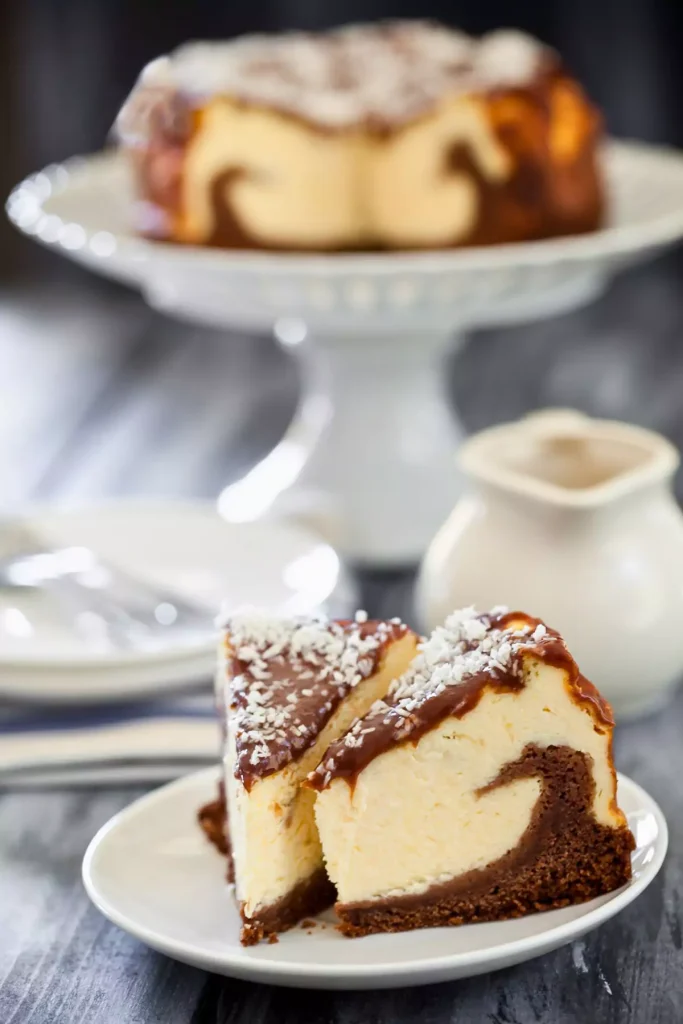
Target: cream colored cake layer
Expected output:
[412,197]
[274,839]
[298,185]
[420,801]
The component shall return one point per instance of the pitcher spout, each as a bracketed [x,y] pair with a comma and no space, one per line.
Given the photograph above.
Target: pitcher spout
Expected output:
[563,458]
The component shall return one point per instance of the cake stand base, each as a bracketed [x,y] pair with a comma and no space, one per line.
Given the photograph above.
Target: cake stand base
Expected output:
[368,460]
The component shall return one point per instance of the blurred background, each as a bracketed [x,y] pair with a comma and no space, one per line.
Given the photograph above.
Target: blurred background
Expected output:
[99,395]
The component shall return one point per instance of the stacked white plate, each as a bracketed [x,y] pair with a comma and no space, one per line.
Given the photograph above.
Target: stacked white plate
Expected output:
[184,546]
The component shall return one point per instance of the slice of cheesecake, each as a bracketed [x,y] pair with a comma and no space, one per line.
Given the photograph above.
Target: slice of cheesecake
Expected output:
[482,788]
[292,688]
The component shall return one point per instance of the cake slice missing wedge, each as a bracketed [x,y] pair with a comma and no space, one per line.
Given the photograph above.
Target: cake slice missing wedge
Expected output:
[291,689]
[482,788]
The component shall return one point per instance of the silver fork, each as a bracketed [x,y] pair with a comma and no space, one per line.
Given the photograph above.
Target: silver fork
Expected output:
[132,612]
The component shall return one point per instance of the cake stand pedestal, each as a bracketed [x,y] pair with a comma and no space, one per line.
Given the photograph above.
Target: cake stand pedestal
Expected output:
[369,457]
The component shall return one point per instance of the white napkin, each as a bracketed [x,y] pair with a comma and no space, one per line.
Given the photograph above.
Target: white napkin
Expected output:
[149,741]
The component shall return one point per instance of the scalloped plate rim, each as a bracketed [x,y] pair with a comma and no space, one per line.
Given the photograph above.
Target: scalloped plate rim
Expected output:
[614,240]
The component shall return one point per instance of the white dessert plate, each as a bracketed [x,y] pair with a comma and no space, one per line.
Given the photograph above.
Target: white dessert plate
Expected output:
[185,546]
[152,873]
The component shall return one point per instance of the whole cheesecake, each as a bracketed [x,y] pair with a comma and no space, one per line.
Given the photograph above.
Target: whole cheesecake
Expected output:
[398,135]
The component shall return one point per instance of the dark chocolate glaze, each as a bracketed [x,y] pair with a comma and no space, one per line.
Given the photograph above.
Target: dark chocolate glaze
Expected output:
[307,689]
[390,729]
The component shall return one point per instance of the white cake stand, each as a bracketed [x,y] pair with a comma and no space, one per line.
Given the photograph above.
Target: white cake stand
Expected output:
[368,457]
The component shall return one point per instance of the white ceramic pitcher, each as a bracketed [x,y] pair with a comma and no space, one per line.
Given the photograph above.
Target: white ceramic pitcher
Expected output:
[572,519]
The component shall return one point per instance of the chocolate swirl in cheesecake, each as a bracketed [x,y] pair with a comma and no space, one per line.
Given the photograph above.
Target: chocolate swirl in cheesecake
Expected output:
[469,654]
[286,678]
[564,856]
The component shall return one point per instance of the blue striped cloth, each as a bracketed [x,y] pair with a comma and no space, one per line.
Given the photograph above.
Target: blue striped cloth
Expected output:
[142,742]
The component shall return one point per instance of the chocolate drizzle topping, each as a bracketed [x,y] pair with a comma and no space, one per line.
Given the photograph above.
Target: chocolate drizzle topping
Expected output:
[286,678]
[472,652]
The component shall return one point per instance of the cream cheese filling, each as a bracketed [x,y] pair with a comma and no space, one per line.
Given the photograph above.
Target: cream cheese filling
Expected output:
[414,817]
[274,839]
[299,186]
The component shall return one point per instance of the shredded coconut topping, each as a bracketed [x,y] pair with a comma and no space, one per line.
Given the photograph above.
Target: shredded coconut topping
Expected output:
[277,703]
[389,71]
[468,644]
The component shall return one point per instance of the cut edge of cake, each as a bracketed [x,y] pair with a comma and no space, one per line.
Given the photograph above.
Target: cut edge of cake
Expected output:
[291,688]
[482,788]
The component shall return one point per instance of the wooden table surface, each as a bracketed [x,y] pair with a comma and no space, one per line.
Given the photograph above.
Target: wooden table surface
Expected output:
[100,396]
